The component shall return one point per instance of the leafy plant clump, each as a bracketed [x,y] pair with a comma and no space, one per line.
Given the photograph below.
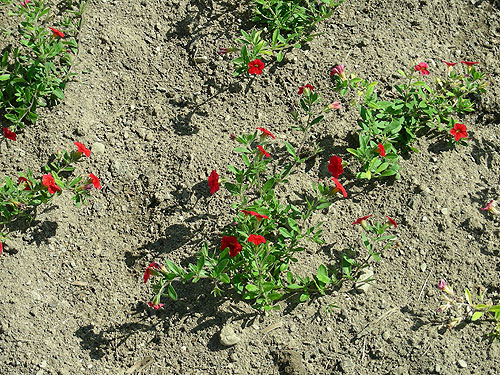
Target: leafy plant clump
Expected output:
[389,124]
[269,232]
[35,73]
[19,198]
[286,24]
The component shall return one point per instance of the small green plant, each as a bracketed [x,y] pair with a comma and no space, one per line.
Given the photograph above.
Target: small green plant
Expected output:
[258,249]
[35,73]
[287,24]
[19,199]
[389,125]
[466,309]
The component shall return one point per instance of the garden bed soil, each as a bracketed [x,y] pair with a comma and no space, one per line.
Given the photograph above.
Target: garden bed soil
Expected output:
[157,105]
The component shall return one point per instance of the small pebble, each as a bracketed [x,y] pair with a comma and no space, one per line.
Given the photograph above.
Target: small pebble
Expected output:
[423,267]
[425,218]
[228,337]
[98,148]
[444,211]
[461,363]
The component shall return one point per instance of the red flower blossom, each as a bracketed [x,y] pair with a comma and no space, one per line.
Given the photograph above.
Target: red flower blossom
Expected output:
[82,149]
[338,70]
[392,222]
[339,187]
[1,248]
[213,182]
[469,63]
[335,166]
[308,86]
[9,134]
[25,181]
[266,133]
[361,219]
[56,33]
[25,3]
[441,284]
[263,152]
[381,149]
[449,64]
[232,243]
[95,181]
[422,68]
[150,270]
[256,239]
[156,306]
[335,105]
[49,181]
[257,215]
[255,67]
[459,131]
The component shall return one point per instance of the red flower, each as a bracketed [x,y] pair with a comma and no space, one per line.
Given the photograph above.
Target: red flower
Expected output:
[339,187]
[82,149]
[1,248]
[441,284]
[422,68]
[150,270]
[257,215]
[95,181]
[266,133]
[335,105]
[392,222]
[308,86]
[255,67]
[25,181]
[213,182]
[335,166]
[491,206]
[263,152]
[49,181]
[9,134]
[469,63]
[449,64]
[56,33]
[381,149]
[156,307]
[256,239]
[459,131]
[25,3]
[361,219]
[339,69]
[232,243]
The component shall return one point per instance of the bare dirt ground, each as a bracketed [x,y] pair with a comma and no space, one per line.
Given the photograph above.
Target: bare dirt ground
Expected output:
[157,104]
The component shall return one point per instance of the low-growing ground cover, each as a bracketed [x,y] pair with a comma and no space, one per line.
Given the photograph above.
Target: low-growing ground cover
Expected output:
[157,105]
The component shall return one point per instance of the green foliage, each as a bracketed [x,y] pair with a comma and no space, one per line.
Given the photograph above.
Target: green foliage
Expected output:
[261,272]
[19,198]
[414,108]
[34,73]
[288,24]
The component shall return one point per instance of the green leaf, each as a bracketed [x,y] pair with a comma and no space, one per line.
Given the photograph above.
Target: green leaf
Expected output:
[293,224]
[316,120]
[468,297]
[58,93]
[477,315]
[4,77]
[284,232]
[322,275]
[294,286]
[290,149]
[225,278]
[280,56]
[232,188]
[251,288]
[171,292]
[241,150]
[304,297]
[275,296]
[289,277]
